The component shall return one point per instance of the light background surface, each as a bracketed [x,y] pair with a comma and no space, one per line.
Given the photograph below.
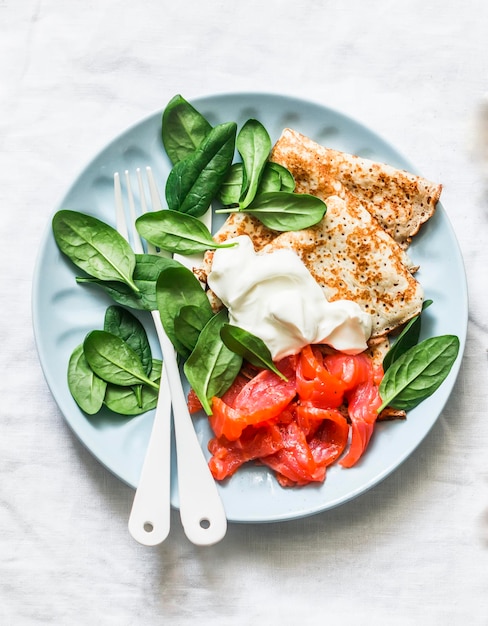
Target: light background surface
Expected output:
[414,550]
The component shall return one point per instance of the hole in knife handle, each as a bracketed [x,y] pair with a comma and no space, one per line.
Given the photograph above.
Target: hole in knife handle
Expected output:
[148,527]
[205,523]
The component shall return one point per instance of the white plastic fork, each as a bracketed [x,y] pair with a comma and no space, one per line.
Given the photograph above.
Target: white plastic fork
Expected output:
[201,509]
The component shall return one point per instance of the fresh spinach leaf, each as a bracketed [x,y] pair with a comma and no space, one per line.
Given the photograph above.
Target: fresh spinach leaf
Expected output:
[111,365]
[124,401]
[275,177]
[146,273]
[419,372]
[249,347]
[211,368]
[189,323]
[87,389]
[270,180]
[254,145]
[286,177]
[284,211]
[176,288]
[113,360]
[194,182]
[406,339]
[94,247]
[177,232]
[231,187]
[120,322]
[183,128]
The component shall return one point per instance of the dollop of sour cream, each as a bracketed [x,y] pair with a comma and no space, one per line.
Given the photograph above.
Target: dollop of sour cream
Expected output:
[274,297]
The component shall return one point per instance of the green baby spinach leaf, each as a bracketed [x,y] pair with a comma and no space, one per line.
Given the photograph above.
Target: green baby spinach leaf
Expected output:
[284,211]
[118,292]
[111,367]
[249,347]
[270,180]
[231,187]
[120,322]
[123,324]
[418,373]
[124,401]
[95,247]
[87,389]
[211,368]
[194,182]
[275,177]
[176,288]
[176,232]
[254,145]
[406,339]
[146,273]
[189,323]
[183,129]
[113,360]
[287,182]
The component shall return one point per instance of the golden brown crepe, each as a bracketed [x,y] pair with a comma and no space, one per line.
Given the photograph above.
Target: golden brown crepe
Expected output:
[245,224]
[357,251]
[400,201]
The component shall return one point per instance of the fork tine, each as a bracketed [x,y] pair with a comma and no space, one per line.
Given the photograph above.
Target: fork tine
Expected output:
[155,199]
[120,209]
[142,195]
[137,242]
[121,222]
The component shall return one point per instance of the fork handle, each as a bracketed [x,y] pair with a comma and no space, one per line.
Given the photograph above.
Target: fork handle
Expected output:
[201,510]
[149,520]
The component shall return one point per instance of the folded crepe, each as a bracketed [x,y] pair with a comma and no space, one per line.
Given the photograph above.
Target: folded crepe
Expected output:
[357,251]
[399,200]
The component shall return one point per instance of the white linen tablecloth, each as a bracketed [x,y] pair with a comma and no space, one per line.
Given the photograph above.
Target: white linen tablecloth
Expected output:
[73,75]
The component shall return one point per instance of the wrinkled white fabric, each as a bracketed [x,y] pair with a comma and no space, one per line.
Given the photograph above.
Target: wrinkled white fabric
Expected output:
[73,75]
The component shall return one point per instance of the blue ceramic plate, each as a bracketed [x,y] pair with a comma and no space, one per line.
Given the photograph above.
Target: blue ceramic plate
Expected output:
[64,312]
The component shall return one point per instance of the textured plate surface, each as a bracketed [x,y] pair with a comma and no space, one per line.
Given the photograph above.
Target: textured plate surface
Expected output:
[63,312]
